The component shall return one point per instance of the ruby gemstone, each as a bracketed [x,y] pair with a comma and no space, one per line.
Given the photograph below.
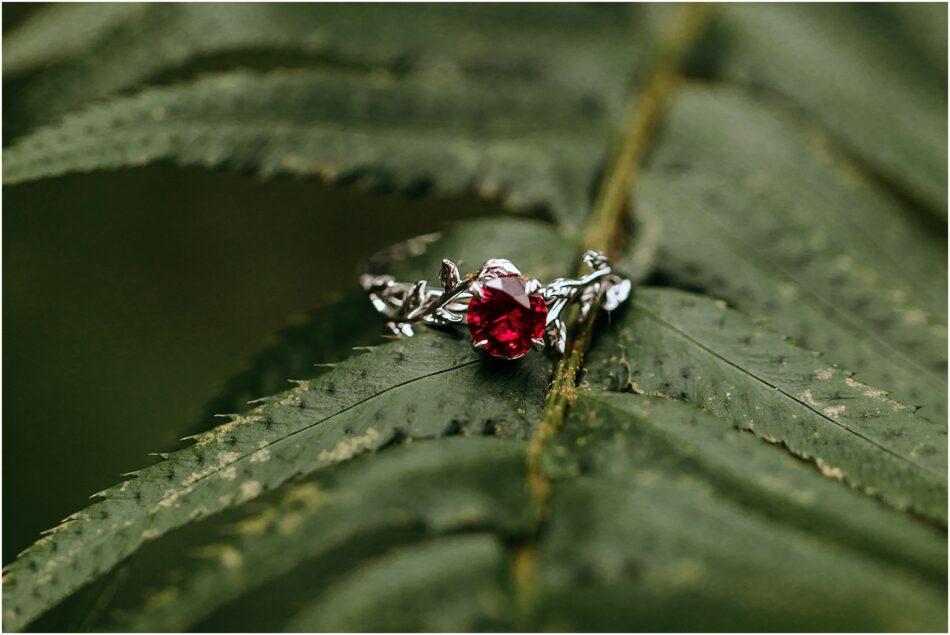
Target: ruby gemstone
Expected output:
[506,316]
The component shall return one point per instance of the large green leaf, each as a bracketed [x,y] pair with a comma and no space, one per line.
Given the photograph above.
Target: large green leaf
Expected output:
[694,348]
[417,388]
[330,333]
[574,48]
[512,140]
[659,462]
[656,505]
[723,362]
[645,513]
[666,518]
[532,129]
[420,489]
[323,337]
[58,32]
[785,232]
[448,585]
[853,69]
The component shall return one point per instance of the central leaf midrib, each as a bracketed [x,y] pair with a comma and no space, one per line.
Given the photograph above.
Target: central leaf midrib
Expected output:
[603,232]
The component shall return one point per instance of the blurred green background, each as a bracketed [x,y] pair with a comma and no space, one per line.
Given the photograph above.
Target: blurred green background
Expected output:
[129,297]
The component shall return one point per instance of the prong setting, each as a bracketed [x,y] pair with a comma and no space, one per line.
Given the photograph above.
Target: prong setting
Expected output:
[476,289]
[498,268]
[533,285]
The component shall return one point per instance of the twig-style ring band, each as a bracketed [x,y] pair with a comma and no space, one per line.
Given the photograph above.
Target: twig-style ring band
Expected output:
[507,314]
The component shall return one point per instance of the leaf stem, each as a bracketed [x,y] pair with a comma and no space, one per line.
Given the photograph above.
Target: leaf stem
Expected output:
[604,232]
[605,227]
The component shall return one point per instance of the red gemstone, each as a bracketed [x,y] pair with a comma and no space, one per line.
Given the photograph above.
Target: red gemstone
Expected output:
[506,316]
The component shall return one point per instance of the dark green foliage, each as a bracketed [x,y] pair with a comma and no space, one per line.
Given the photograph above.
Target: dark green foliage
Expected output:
[331,333]
[574,48]
[712,472]
[425,488]
[416,388]
[326,336]
[531,128]
[803,241]
[861,73]
[451,134]
[671,519]
[448,585]
[693,348]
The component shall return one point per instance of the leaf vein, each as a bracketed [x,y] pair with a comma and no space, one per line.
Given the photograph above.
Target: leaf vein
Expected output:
[323,420]
[646,312]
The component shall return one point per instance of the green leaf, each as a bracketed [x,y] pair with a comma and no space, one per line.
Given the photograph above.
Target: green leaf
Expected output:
[420,489]
[923,26]
[573,48]
[421,387]
[325,336]
[525,118]
[656,505]
[859,76]
[663,517]
[785,232]
[329,334]
[857,538]
[694,348]
[417,388]
[675,458]
[58,32]
[513,140]
[447,585]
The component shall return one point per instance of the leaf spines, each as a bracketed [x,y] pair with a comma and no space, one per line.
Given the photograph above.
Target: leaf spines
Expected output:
[273,442]
[689,347]
[654,500]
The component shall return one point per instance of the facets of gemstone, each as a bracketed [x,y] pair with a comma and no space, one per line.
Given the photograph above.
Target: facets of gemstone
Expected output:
[505,317]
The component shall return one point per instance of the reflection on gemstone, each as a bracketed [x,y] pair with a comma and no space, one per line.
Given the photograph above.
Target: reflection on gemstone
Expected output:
[506,317]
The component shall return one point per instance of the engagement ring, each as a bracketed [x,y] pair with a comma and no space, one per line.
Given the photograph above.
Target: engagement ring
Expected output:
[507,313]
